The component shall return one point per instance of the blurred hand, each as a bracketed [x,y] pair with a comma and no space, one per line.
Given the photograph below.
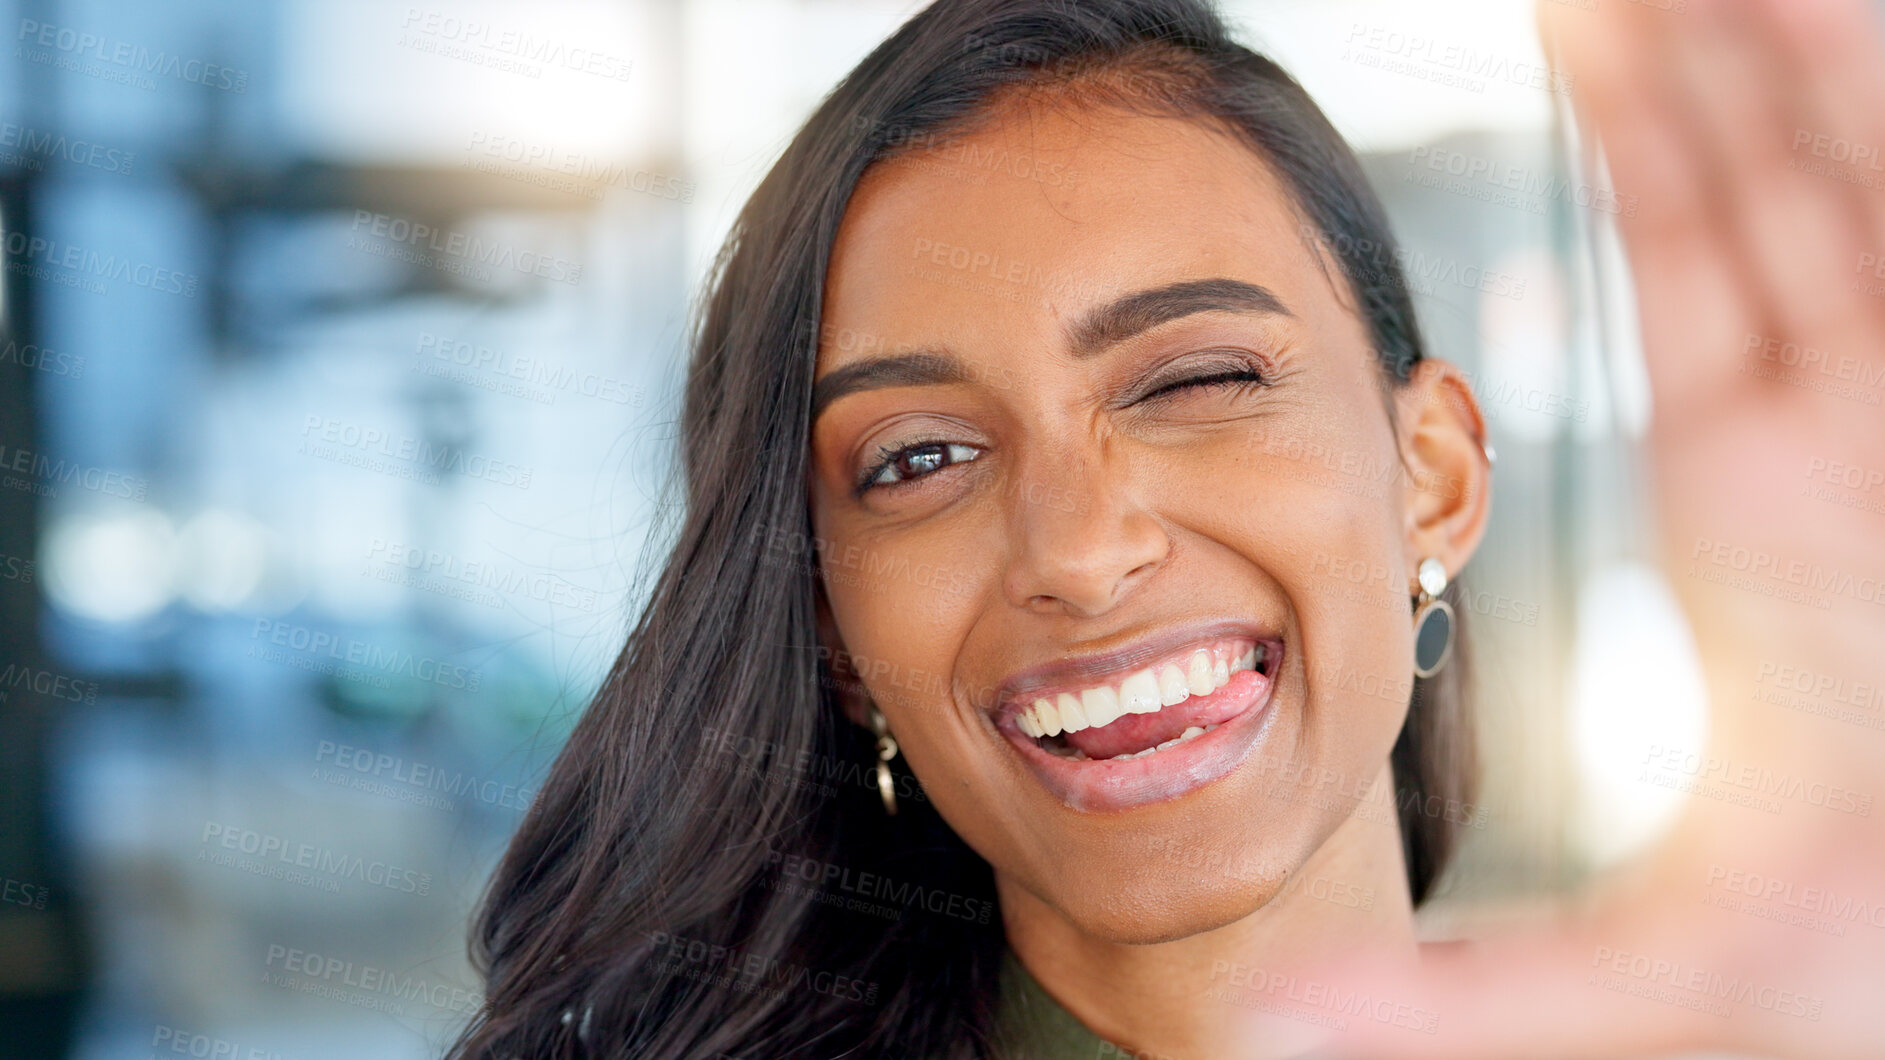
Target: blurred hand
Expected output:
[1749,133]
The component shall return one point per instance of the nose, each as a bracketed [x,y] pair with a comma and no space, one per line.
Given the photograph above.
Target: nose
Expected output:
[1083,541]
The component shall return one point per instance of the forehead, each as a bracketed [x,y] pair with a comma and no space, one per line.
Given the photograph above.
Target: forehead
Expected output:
[1012,230]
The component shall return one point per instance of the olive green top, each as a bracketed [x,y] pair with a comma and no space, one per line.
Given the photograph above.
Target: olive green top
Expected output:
[1031,1025]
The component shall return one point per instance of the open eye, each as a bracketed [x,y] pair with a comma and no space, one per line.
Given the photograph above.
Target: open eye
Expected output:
[898,466]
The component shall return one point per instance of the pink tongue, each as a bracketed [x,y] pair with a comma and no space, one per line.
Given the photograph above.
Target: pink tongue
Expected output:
[1136,732]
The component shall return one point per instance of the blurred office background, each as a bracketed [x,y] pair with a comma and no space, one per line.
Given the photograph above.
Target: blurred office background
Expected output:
[341,346]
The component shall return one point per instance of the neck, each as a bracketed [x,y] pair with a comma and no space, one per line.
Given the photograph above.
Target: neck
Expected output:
[1191,998]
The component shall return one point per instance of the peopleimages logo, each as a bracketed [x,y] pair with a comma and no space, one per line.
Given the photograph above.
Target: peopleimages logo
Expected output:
[1705,984]
[432,568]
[1819,901]
[132,58]
[1752,778]
[362,984]
[78,266]
[515,44]
[40,359]
[1814,683]
[171,1041]
[34,145]
[367,764]
[15,892]
[325,646]
[1767,567]
[46,683]
[519,375]
[456,251]
[353,443]
[1843,366]
[1467,63]
[829,876]
[587,174]
[1415,268]
[44,476]
[1820,145]
[714,964]
[1500,182]
[1332,1002]
[272,848]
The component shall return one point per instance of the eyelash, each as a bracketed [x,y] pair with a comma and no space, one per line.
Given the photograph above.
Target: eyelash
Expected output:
[1242,379]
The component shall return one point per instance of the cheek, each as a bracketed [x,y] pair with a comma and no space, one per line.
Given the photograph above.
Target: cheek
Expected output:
[1313,502]
[904,609]
[1346,580]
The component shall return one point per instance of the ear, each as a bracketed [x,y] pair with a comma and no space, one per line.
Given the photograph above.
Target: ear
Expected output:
[1447,493]
[846,687]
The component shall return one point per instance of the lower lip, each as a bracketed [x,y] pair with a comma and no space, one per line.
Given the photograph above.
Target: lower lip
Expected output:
[1106,784]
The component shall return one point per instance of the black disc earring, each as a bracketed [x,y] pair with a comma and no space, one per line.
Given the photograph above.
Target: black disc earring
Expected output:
[1433,620]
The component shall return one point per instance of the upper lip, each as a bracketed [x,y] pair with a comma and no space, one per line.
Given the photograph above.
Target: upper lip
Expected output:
[1018,687]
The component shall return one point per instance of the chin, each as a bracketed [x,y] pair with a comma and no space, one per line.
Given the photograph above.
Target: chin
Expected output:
[1175,890]
[1146,924]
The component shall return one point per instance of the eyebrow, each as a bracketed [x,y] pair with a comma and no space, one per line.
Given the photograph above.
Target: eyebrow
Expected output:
[1103,327]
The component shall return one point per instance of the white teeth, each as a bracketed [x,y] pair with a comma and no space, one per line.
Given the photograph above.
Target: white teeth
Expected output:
[1172,689]
[1037,715]
[1047,716]
[1072,718]
[1144,692]
[1026,723]
[1139,694]
[1101,706]
[1198,673]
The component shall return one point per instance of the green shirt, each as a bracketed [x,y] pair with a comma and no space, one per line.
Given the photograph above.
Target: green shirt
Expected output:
[1031,1025]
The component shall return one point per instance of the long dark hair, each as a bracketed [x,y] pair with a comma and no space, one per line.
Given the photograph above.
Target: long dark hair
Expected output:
[707,871]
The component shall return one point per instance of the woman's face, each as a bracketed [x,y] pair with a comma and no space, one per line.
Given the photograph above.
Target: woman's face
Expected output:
[1098,433]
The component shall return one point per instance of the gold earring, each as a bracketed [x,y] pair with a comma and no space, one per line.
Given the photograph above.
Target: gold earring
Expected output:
[1433,620]
[886,750]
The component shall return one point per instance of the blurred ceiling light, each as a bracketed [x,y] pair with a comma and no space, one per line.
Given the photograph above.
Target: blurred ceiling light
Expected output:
[111,568]
[567,83]
[1523,389]
[1392,75]
[221,558]
[1636,683]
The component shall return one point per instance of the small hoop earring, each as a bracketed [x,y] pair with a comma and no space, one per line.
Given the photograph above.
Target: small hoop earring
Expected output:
[1433,620]
[886,750]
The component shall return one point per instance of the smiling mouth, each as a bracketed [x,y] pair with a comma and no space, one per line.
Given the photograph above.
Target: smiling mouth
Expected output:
[1149,710]
[1156,739]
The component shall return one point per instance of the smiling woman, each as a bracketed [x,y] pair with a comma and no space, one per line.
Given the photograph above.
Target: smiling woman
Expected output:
[1084,552]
